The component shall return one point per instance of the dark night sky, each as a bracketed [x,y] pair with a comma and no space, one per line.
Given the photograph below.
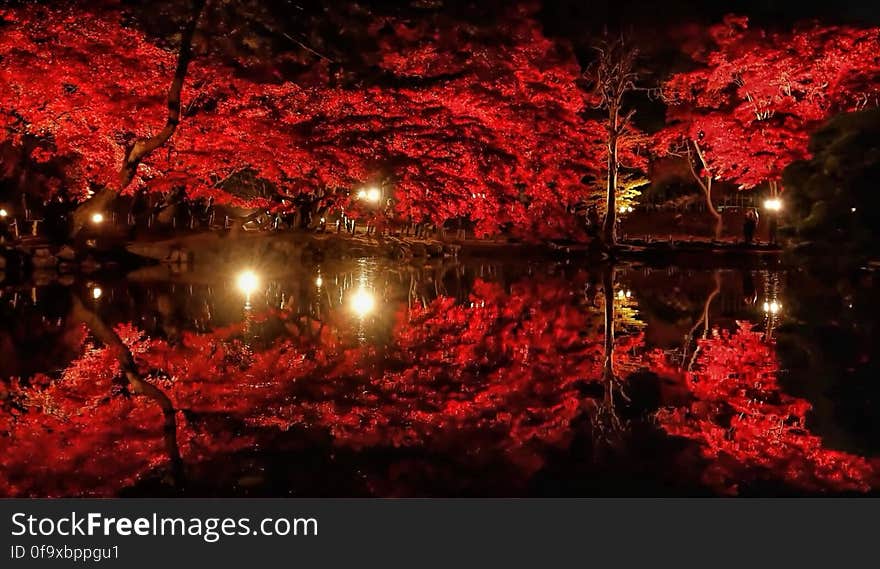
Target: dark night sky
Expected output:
[569,15]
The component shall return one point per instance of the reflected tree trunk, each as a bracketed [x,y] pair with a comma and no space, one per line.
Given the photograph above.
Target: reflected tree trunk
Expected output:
[704,320]
[107,336]
[608,419]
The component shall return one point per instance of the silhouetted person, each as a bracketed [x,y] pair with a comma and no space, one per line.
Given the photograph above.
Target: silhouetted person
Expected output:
[593,221]
[750,223]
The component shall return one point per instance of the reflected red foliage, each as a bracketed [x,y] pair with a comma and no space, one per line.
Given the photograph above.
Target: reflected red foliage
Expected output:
[748,428]
[501,379]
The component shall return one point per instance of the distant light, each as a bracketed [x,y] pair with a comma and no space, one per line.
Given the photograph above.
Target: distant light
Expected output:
[773,204]
[373,195]
[621,294]
[772,307]
[247,282]
[363,302]
[4,213]
[622,209]
[319,282]
[97,218]
[323,220]
[628,294]
[97,292]
[362,194]
[852,210]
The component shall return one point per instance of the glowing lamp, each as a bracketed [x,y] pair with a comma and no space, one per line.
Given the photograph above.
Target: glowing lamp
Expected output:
[373,195]
[363,302]
[247,282]
[773,204]
[97,218]
[362,194]
[319,282]
[3,213]
[97,293]
[772,307]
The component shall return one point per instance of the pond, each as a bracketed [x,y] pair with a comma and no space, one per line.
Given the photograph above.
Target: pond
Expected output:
[453,378]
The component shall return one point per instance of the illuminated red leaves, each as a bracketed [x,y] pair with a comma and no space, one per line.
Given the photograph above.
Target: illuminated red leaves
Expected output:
[757,95]
[749,429]
[467,122]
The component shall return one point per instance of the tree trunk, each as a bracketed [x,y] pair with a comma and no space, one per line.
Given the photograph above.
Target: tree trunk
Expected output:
[706,186]
[143,147]
[609,228]
[719,222]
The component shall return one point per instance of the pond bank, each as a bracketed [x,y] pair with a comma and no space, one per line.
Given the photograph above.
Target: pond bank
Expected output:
[212,248]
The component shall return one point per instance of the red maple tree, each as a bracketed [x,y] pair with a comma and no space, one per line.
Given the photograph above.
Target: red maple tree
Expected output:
[748,109]
[465,121]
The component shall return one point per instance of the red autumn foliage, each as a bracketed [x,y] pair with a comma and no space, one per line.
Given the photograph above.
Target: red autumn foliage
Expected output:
[480,381]
[756,96]
[748,428]
[496,380]
[468,122]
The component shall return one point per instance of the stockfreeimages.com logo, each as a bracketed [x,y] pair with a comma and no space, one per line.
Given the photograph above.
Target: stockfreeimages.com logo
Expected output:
[209,529]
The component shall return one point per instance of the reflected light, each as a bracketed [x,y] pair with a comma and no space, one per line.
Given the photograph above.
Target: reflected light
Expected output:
[773,204]
[97,218]
[3,213]
[247,282]
[97,292]
[363,302]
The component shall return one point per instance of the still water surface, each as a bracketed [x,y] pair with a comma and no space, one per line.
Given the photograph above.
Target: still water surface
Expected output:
[369,378]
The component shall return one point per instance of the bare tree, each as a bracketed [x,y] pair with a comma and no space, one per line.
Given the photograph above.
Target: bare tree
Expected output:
[612,76]
[141,148]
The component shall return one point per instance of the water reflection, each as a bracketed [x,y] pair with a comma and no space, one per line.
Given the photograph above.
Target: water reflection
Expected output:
[372,378]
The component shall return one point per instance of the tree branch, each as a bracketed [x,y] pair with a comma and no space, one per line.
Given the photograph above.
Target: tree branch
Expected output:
[143,147]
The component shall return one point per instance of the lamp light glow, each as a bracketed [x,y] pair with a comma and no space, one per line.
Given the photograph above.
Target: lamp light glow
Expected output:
[247,282]
[363,302]
[97,218]
[97,293]
[373,195]
[773,204]
[3,213]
